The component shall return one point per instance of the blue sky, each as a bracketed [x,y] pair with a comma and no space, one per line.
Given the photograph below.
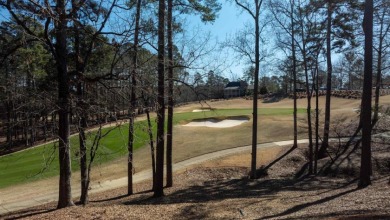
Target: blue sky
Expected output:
[3,15]
[230,20]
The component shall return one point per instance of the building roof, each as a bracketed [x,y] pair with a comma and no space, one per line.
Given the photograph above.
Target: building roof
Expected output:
[232,88]
[233,84]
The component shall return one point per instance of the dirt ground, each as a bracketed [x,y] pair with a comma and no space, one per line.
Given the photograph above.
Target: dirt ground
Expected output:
[219,189]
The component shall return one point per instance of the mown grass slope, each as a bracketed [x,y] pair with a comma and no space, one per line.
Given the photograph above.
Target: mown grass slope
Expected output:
[42,162]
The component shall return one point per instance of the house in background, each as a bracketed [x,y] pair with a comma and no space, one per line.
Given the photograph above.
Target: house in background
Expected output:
[385,86]
[235,89]
[385,82]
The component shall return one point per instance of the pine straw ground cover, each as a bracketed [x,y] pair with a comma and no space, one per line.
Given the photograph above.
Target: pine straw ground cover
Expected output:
[221,190]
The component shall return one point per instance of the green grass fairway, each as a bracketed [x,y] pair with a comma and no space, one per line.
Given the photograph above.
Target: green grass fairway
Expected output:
[41,162]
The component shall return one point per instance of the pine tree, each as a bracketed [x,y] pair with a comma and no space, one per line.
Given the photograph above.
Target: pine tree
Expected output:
[365,166]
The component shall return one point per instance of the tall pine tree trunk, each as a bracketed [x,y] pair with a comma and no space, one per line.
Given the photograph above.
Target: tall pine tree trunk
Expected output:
[152,154]
[255,94]
[159,183]
[308,94]
[82,122]
[133,101]
[83,146]
[317,119]
[65,192]
[294,73]
[325,142]
[378,85]
[170,96]
[365,167]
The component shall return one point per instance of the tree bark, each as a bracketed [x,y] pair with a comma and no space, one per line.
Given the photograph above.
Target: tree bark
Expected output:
[255,92]
[365,166]
[325,142]
[308,94]
[317,119]
[170,96]
[294,73]
[151,145]
[82,122]
[83,147]
[133,101]
[65,192]
[159,183]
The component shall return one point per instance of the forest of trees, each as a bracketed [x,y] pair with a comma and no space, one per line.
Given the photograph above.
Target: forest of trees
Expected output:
[66,66]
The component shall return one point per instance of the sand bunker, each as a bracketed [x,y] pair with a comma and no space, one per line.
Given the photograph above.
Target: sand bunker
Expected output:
[214,123]
[201,110]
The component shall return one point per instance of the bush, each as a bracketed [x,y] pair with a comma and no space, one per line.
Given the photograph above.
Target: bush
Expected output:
[263,90]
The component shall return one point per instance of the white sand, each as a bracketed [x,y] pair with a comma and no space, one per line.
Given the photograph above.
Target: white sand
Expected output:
[201,110]
[212,123]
